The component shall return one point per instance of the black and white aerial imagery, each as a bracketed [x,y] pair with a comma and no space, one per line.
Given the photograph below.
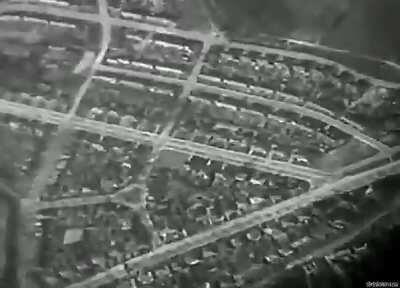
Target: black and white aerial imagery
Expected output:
[199,143]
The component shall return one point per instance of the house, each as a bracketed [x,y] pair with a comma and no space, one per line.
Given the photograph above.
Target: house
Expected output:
[253,114]
[72,236]
[298,159]
[197,210]
[225,111]
[260,152]
[128,121]
[257,200]
[235,85]
[136,85]
[169,71]
[104,78]
[63,24]
[301,242]
[34,20]
[303,219]
[235,243]
[145,278]
[8,18]
[68,275]
[278,236]
[112,61]
[207,79]
[191,260]
[220,127]
[338,224]
[141,65]
[135,38]
[169,235]
[272,259]
[130,15]
[160,21]
[218,141]
[55,2]
[123,61]
[164,44]
[285,252]
[254,234]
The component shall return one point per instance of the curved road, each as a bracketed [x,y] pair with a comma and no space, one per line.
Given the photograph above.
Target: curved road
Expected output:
[348,129]
[206,38]
[235,226]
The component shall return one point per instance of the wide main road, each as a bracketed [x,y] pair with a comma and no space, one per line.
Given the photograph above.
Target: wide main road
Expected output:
[227,93]
[235,226]
[363,165]
[206,38]
[188,147]
[348,129]
[192,35]
[326,249]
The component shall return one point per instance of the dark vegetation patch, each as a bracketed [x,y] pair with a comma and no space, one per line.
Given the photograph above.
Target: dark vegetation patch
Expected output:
[369,27]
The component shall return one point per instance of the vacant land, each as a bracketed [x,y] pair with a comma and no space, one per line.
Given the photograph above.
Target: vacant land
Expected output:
[343,156]
[194,16]
[171,159]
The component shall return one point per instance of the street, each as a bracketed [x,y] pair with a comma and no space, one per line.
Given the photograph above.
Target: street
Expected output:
[240,224]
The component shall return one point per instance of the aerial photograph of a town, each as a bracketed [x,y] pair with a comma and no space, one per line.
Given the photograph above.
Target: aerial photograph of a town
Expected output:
[199,143]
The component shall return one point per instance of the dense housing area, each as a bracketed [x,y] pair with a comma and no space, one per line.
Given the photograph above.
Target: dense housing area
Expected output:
[157,156]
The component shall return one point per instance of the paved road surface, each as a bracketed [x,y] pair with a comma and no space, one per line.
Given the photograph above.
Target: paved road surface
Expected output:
[63,136]
[188,147]
[240,224]
[192,35]
[348,129]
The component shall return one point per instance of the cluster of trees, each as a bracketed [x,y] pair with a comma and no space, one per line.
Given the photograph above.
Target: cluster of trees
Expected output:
[362,26]
[280,18]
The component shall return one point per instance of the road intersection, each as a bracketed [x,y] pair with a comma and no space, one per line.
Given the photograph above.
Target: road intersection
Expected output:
[191,148]
[240,224]
[69,122]
[208,39]
[190,35]
[56,146]
[300,109]
[63,136]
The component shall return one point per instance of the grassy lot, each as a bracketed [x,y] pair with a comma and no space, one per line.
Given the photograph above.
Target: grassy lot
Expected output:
[194,16]
[171,159]
[345,155]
